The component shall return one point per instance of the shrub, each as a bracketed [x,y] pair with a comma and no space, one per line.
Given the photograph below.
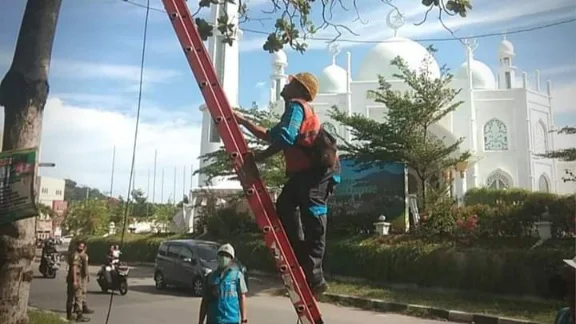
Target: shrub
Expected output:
[228,222]
[439,264]
[136,247]
[513,212]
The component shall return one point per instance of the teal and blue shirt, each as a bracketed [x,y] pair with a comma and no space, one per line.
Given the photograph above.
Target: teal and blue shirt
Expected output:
[285,134]
[563,316]
[222,290]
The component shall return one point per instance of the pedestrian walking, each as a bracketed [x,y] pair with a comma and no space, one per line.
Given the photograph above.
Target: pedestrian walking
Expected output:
[312,168]
[224,296]
[74,293]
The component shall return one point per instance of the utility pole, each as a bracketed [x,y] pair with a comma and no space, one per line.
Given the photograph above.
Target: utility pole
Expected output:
[113,167]
[154,178]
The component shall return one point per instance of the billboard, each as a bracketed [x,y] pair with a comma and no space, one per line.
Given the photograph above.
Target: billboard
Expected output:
[379,190]
[17,175]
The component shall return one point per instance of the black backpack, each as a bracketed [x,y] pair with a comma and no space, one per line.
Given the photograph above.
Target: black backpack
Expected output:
[324,152]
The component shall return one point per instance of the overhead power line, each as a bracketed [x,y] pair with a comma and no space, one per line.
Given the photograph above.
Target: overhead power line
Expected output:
[364,41]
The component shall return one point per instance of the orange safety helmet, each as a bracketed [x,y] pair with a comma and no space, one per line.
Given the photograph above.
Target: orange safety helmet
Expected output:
[309,81]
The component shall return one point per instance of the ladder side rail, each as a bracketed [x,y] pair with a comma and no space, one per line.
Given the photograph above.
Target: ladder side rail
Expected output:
[233,138]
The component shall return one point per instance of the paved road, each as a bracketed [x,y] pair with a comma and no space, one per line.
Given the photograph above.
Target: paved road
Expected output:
[144,305]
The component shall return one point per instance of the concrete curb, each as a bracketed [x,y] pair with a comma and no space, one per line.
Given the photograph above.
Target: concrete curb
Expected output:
[32,308]
[409,309]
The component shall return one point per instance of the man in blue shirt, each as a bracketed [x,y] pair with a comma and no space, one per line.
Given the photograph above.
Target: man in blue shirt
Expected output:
[224,296]
[310,181]
[566,315]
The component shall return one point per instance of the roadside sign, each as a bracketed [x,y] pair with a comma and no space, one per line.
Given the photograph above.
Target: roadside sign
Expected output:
[17,177]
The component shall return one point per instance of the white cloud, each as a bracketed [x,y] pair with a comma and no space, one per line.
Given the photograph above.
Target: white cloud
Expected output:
[564,99]
[260,84]
[80,141]
[511,15]
[122,72]
[559,70]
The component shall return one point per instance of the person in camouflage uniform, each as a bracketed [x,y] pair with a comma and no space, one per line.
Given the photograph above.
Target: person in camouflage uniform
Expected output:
[74,291]
[85,279]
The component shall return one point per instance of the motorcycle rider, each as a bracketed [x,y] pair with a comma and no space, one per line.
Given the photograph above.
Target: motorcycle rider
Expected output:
[113,258]
[48,249]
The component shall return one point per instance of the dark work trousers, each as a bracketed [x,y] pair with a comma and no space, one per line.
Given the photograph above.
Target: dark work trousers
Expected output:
[306,230]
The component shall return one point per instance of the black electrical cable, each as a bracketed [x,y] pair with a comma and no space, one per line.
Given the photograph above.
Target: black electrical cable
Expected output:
[127,205]
[360,41]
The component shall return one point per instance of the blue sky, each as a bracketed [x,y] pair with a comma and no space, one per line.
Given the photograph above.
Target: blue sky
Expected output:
[94,75]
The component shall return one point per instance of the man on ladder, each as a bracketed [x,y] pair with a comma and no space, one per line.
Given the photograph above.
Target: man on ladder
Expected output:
[312,170]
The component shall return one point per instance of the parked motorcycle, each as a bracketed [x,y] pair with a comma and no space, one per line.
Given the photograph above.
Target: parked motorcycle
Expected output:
[50,265]
[118,278]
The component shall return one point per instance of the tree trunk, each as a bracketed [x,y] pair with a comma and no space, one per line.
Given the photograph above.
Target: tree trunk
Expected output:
[23,94]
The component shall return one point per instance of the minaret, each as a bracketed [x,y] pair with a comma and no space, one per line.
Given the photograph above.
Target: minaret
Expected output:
[278,78]
[225,58]
[507,71]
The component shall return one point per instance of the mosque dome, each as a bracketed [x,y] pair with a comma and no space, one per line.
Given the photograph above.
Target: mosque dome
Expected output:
[279,57]
[332,79]
[377,61]
[482,76]
[506,49]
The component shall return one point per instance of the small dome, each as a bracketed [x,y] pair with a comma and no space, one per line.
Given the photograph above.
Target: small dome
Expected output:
[279,57]
[506,49]
[482,76]
[332,79]
[377,61]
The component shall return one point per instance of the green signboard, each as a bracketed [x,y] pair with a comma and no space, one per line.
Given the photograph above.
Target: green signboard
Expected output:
[17,177]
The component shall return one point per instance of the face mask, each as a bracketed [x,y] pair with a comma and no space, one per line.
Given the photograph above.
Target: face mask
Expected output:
[223,261]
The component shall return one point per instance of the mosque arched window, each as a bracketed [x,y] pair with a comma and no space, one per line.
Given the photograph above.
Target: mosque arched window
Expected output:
[543,184]
[495,136]
[540,138]
[498,180]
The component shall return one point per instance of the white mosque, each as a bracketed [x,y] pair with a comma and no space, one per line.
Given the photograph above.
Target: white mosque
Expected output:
[506,123]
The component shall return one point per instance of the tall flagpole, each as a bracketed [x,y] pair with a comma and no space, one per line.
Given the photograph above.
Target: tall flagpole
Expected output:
[162,189]
[174,192]
[184,181]
[191,175]
[148,193]
[148,185]
[113,167]
[154,177]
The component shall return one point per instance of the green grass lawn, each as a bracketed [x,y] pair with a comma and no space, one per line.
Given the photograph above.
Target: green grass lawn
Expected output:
[40,317]
[542,312]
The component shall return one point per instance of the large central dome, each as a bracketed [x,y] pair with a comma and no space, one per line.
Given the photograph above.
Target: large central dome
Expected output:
[377,61]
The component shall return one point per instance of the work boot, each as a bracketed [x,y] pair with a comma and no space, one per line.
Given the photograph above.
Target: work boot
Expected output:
[69,313]
[86,310]
[319,289]
[80,318]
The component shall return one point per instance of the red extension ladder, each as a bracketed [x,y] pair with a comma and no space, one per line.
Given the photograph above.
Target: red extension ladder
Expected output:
[235,144]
